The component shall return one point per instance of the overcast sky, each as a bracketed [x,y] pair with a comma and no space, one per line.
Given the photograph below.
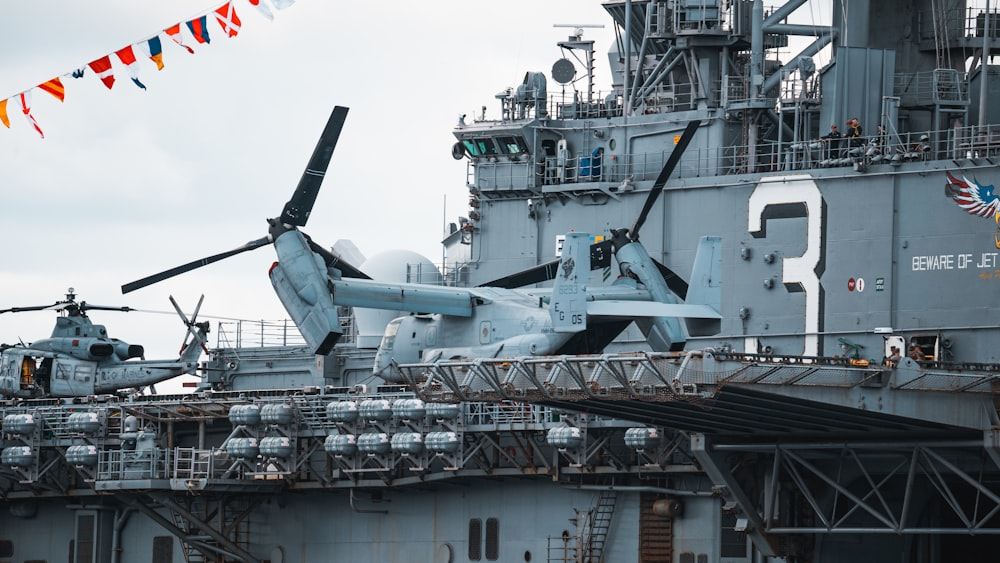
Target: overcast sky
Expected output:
[130,182]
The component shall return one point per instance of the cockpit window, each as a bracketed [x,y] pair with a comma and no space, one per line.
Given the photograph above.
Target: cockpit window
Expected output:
[389,338]
[512,145]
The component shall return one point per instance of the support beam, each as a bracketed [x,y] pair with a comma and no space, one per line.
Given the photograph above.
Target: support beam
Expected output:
[718,470]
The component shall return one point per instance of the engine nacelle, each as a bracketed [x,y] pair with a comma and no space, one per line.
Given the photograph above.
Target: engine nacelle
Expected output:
[300,281]
[126,351]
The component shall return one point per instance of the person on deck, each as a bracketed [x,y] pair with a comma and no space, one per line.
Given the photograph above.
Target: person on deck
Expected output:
[854,136]
[833,140]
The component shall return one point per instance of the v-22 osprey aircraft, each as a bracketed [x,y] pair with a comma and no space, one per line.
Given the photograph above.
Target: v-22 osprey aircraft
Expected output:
[496,320]
[79,358]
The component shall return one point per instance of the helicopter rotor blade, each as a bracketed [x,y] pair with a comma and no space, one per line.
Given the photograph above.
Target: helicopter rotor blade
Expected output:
[194,316]
[298,208]
[84,306]
[26,309]
[166,274]
[674,282]
[192,331]
[661,180]
[180,312]
[334,260]
[295,213]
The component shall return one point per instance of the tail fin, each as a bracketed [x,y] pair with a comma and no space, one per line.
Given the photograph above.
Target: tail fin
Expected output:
[568,304]
[705,287]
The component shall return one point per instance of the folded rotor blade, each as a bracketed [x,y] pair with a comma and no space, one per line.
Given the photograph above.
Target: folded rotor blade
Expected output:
[661,180]
[600,257]
[155,278]
[298,208]
[674,282]
[334,260]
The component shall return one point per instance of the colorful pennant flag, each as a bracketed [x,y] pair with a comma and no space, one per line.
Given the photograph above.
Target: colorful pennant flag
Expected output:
[25,98]
[54,87]
[199,29]
[102,67]
[263,8]
[154,50]
[228,20]
[127,57]
[174,32]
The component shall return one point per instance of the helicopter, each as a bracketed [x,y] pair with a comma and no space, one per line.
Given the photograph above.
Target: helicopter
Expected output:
[571,317]
[79,358]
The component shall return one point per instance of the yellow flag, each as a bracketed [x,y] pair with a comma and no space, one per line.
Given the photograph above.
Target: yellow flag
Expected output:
[3,114]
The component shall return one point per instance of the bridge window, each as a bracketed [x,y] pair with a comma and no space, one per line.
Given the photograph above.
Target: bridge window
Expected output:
[512,145]
[481,147]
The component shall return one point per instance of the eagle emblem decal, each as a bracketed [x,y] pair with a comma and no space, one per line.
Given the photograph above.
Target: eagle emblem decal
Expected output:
[975,198]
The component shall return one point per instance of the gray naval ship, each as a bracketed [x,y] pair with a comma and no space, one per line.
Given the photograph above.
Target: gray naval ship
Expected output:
[797,363]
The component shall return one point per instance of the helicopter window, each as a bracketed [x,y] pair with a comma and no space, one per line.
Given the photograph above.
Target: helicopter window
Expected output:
[512,145]
[83,373]
[389,338]
[62,371]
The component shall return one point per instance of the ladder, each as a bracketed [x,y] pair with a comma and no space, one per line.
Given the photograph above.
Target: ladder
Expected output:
[600,524]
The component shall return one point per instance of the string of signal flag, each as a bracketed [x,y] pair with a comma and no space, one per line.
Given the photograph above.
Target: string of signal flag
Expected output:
[152,48]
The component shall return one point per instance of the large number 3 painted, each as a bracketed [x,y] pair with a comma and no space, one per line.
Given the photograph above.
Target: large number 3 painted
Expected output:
[787,197]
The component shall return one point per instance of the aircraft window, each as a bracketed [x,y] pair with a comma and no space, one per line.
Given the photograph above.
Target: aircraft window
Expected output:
[512,145]
[389,338]
[62,371]
[82,373]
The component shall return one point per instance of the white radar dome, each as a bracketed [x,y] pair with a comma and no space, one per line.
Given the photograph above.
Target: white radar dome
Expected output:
[403,266]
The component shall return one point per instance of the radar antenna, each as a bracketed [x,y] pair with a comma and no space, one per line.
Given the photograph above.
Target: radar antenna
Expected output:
[575,42]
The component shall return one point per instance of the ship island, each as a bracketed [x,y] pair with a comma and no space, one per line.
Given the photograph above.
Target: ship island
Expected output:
[811,374]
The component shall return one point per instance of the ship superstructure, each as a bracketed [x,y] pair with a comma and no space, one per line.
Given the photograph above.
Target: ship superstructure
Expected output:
[790,432]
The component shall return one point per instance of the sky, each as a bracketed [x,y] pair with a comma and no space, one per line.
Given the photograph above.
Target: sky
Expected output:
[128,182]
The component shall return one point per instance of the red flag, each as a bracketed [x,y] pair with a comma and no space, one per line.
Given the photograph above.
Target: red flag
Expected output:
[127,56]
[227,18]
[102,67]
[54,87]
[25,98]
[3,114]
[174,32]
